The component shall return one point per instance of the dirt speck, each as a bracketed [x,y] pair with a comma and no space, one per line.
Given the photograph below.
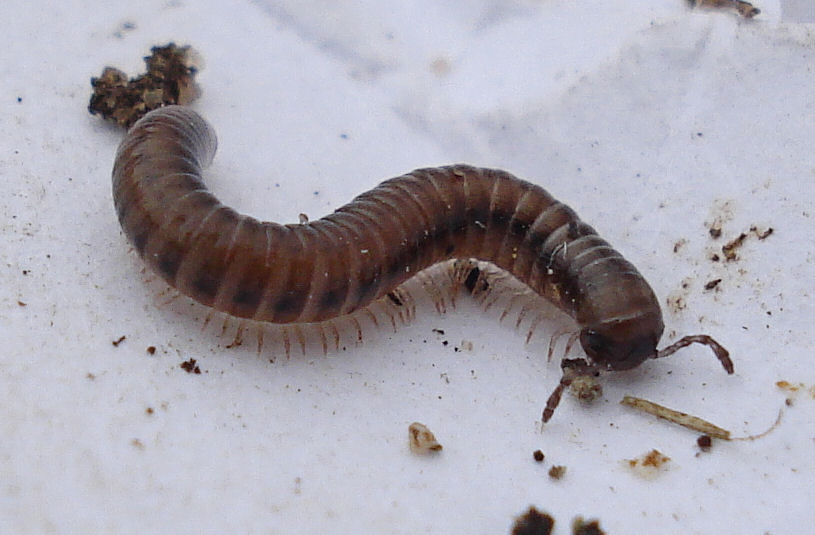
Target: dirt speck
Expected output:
[422,441]
[557,472]
[649,465]
[191,366]
[170,79]
[533,522]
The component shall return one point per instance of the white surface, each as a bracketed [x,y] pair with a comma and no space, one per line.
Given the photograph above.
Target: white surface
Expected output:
[648,119]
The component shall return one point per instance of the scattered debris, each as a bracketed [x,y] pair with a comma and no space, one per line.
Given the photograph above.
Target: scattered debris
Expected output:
[151,350]
[762,234]
[191,366]
[705,442]
[649,465]
[794,388]
[119,341]
[583,527]
[729,249]
[557,472]
[422,441]
[533,522]
[710,285]
[538,456]
[169,80]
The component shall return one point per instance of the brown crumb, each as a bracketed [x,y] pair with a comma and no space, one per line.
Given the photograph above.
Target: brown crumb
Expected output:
[533,522]
[22,304]
[716,230]
[119,341]
[649,465]
[149,410]
[190,366]
[729,249]
[538,456]
[151,350]
[762,235]
[170,79]
[582,527]
[422,441]
[710,285]
[705,442]
[136,443]
[557,472]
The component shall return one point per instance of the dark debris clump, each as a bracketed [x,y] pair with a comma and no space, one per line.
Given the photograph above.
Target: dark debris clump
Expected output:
[170,79]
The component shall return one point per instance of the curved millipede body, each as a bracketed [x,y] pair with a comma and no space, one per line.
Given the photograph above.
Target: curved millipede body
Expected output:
[341,263]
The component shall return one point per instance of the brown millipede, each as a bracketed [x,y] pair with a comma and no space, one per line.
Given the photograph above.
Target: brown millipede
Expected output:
[318,270]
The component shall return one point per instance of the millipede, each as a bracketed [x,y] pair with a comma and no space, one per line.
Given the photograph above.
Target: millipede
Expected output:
[317,271]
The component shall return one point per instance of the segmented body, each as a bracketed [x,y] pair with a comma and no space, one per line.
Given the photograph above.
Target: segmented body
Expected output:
[315,271]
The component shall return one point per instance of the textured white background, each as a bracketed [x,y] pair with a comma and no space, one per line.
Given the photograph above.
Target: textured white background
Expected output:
[650,120]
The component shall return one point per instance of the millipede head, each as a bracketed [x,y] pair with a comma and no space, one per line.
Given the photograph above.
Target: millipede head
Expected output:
[622,344]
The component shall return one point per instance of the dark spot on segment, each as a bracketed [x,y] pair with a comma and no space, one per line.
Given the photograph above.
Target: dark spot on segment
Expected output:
[518,227]
[394,299]
[332,300]
[289,306]
[478,213]
[499,217]
[169,260]
[536,239]
[139,241]
[573,231]
[246,298]
[205,286]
